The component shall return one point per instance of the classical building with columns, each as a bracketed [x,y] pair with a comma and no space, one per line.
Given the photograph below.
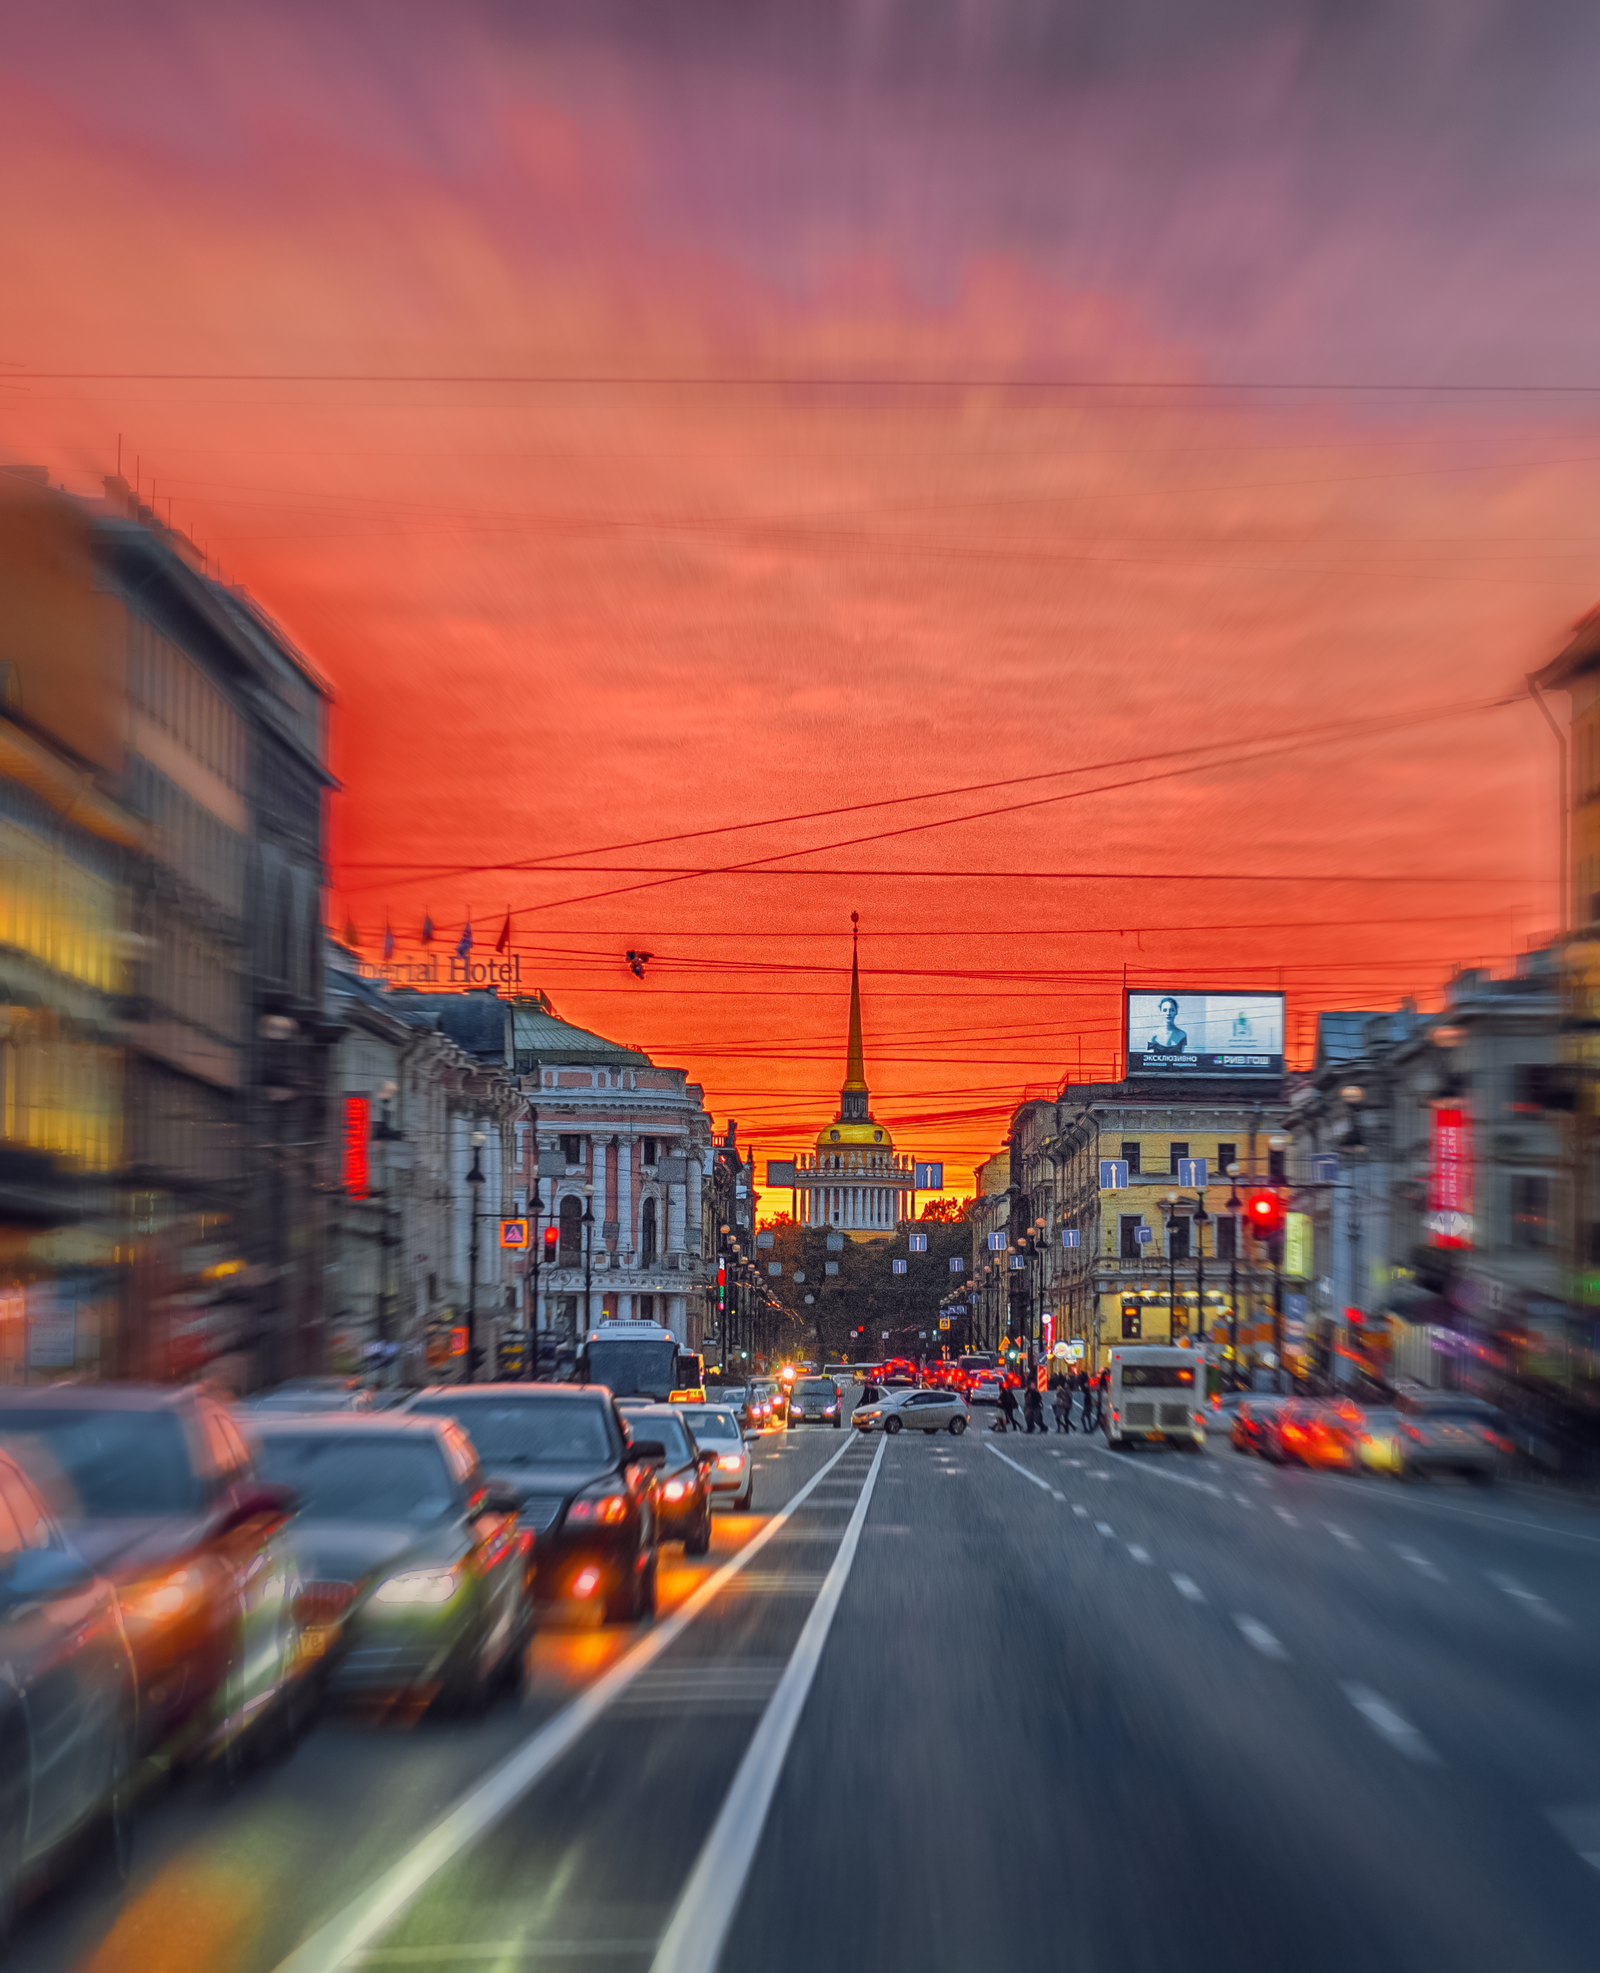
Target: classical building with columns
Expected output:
[853,1180]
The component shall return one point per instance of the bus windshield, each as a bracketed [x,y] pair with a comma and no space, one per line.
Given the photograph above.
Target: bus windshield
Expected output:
[635,1366]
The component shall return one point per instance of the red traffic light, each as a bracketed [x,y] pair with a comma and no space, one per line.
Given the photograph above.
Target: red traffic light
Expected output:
[552,1240]
[1264,1210]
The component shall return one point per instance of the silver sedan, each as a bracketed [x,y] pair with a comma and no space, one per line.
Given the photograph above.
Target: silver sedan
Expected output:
[916,1411]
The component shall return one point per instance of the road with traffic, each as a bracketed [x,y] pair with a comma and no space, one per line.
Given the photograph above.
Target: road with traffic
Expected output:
[958,1702]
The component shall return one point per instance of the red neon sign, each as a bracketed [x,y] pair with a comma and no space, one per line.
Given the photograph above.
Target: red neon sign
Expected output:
[357,1133]
[1450,1180]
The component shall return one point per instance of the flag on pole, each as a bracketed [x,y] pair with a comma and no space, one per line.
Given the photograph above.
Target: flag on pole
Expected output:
[503,943]
[464,944]
[427,929]
[351,935]
[388,939]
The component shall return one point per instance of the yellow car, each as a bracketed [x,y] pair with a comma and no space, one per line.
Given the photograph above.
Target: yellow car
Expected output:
[1377,1440]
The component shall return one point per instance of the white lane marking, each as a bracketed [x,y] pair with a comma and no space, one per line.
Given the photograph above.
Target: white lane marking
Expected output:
[1243,1502]
[1057,1494]
[1261,1637]
[1530,1600]
[1341,1534]
[1417,1561]
[1075,1462]
[1105,1528]
[1187,1586]
[1138,1554]
[1099,1473]
[1042,1485]
[1395,1727]
[705,1912]
[1283,1514]
[381,1903]
[1081,1512]
[1579,1823]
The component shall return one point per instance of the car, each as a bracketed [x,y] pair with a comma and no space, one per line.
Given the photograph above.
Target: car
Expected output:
[1253,1419]
[68,1700]
[908,1407]
[1377,1440]
[1447,1432]
[684,1483]
[588,1494]
[774,1402]
[984,1388]
[716,1428]
[816,1398]
[315,1394]
[415,1578]
[156,1488]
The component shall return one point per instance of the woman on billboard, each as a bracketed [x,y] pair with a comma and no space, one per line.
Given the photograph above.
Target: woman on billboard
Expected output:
[1171,1040]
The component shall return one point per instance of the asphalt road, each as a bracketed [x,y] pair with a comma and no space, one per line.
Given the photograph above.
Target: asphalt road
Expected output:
[970,1703]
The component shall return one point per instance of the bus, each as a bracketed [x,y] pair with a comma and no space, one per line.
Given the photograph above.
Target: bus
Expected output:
[642,1359]
[1157,1395]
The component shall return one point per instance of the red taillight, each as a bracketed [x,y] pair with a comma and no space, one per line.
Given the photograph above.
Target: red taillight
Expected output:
[586,1582]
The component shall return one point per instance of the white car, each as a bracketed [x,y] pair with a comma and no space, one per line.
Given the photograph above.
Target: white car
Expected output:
[914,1410]
[715,1428]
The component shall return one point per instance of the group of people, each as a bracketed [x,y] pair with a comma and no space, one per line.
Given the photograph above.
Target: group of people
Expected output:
[1090,1390]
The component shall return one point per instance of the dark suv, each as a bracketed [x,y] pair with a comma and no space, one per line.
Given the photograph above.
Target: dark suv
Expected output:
[155,1488]
[588,1492]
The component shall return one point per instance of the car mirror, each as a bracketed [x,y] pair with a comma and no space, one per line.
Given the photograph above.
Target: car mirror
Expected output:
[705,1457]
[41,1572]
[496,1497]
[646,1452]
[262,1501]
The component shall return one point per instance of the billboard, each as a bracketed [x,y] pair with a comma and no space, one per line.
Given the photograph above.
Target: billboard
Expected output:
[1450,1179]
[1179,1033]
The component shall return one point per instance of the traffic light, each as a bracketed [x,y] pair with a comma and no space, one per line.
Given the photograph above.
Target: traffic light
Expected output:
[552,1243]
[511,1359]
[1264,1211]
[722,1285]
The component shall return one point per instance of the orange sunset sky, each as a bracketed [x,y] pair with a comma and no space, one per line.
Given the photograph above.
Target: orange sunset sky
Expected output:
[690,438]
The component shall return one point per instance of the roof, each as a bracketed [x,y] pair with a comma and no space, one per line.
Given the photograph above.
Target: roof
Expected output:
[476,1022]
[372,1424]
[548,1039]
[465,1393]
[1581,655]
[1341,1035]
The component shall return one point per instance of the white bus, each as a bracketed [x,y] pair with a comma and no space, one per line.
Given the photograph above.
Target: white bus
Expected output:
[1157,1394]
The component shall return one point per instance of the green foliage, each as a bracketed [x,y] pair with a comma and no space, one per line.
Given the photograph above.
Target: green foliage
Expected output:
[866,1291]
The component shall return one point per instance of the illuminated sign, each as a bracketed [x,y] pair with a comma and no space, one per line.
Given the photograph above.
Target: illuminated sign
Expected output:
[1297,1246]
[357,1133]
[1187,1034]
[513,1233]
[1450,1179]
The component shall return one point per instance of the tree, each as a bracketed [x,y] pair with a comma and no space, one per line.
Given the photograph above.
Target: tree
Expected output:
[948,1212]
[866,1293]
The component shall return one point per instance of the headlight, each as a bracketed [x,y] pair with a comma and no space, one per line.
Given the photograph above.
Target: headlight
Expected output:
[606,1507]
[418,1586]
[828,1410]
[164,1597]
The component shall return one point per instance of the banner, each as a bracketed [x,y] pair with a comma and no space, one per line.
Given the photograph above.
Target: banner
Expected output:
[1187,1034]
[1450,1179]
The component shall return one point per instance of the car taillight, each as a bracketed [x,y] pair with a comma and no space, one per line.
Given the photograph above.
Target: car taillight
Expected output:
[675,1489]
[608,1507]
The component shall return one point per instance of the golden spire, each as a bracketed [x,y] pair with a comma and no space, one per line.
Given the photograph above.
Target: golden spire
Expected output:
[855,1073]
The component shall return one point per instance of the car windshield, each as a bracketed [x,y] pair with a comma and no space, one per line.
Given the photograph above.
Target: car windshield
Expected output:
[668,1429]
[531,1431]
[713,1427]
[359,1478]
[814,1387]
[119,1465]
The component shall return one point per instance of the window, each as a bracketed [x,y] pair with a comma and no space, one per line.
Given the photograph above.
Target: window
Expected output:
[572,1150]
[1130,1155]
[1131,1322]
[1227,1154]
[647,1234]
[571,1230]
[646,1309]
[647,1151]
[1278,1166]
[1226,1236]
[1131,1249]
[1530,1210]
[1178,1237]
[1174,1153]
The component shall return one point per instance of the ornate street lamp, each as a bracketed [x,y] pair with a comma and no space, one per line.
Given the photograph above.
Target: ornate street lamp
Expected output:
[587,1223]
[474,1177]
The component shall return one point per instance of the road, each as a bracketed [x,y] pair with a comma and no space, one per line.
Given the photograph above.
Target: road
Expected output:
[966,1703]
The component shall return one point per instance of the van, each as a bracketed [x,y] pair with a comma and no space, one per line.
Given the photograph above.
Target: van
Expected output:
[1157,1395]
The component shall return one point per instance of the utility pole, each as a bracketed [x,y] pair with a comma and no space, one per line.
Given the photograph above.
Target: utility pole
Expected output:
[475,1177]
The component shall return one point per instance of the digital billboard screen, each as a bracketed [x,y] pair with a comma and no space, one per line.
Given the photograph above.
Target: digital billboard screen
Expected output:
[1185,1034]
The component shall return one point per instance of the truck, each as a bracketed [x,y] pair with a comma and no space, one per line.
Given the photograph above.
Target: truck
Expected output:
[641,1359]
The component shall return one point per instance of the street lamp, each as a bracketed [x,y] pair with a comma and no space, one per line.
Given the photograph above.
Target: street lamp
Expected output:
[1169,1212]
[587,1223]
[474,1177]
[1277,1142]
[1235,1204]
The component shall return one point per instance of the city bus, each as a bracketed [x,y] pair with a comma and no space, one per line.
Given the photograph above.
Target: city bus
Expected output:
[1157,1395]
[642,1359]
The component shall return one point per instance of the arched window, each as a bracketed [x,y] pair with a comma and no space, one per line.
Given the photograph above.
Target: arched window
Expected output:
[647,1234]
[571,1230]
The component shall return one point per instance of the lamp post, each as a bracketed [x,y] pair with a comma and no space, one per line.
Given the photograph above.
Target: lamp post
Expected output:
[384,1133]
[1202,1219]
[1169,1212]
[535,1213]
[1277,1142]
[587,1223]
[1234,1205]
[474,1177]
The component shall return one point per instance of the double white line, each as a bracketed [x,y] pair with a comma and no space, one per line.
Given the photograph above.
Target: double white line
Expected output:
[354,1928]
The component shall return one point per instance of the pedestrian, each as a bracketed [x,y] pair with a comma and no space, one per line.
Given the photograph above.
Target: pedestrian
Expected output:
[1008,1408]
[1033,1408]
[1061,1405]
